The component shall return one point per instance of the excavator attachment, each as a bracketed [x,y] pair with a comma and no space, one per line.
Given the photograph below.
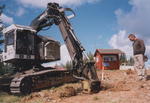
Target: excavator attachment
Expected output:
[90,83]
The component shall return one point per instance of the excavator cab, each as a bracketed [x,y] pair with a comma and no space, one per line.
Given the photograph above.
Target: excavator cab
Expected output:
[23,46]
[18,44]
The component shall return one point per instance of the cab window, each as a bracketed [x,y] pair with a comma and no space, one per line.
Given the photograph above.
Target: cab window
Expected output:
[10,38]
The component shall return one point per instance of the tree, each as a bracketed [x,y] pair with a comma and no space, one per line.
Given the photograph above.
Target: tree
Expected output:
[131,61]
[2,69]
[1,27]
[69,65]
[123,58]
[90,57]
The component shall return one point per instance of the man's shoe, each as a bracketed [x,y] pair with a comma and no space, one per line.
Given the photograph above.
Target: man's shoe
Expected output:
[140,78]
[144,79]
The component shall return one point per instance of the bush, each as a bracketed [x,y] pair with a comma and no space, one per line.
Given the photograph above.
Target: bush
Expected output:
[5,68]
[68,65]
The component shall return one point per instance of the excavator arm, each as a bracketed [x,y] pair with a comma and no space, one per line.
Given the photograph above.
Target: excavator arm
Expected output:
[54,14]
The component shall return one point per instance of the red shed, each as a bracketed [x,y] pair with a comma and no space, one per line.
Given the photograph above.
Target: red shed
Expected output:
[108,58]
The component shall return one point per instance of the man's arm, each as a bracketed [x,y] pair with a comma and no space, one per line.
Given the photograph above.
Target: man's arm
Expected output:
[142,45]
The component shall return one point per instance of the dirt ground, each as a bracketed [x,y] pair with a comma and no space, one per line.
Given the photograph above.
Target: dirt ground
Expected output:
[117,87]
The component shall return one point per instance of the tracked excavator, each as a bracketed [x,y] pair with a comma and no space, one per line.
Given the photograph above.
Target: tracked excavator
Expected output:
[26,50]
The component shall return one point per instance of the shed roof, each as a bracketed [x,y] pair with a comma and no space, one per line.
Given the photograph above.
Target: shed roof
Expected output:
[109,51]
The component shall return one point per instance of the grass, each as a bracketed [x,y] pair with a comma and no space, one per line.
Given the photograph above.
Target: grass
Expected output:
[35,101]
[6,98]
[95,98]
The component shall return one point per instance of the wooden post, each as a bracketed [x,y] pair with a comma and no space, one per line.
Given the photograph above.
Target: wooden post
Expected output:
[104,64]
[102,73]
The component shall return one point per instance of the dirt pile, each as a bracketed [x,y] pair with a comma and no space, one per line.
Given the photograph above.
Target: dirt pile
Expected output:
[53,95]
[129,72]
[68,92]
[120,86]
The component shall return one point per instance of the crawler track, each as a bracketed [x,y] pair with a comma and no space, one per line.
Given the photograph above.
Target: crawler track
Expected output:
[27,83]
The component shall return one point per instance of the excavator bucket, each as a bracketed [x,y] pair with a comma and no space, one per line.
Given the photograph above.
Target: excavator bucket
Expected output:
[91,84]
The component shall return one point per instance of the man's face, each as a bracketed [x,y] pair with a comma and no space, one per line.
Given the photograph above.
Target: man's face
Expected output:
[131,38]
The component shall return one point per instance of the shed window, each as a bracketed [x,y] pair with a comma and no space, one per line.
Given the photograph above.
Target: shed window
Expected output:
[110,58]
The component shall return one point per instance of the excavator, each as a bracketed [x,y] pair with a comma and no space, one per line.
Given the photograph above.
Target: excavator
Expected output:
[26,50]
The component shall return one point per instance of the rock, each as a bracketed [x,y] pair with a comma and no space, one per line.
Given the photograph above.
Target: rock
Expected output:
[68,92]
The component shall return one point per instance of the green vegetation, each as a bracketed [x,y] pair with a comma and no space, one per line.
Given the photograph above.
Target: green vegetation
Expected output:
[95,98]
[1,41]
[123,58]
[7,68]
[69,65]
[6,98]
[131,61]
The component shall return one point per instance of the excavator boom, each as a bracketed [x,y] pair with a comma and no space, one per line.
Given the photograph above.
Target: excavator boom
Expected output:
[54,14]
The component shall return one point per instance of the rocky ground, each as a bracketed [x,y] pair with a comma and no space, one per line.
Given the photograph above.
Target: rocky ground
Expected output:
[117,87]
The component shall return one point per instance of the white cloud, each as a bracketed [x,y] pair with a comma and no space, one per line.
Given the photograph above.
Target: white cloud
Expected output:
[65,57]
[20,12]
[135,21]
[64,54]
[43,3]
[120,41]
[7,19]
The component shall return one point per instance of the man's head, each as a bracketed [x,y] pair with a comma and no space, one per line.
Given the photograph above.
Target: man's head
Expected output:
[132,37]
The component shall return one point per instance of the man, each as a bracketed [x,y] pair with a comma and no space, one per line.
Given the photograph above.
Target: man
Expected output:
[138,51]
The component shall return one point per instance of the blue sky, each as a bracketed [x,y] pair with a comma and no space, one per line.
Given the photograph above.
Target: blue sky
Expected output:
[98,24]
[94,24]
